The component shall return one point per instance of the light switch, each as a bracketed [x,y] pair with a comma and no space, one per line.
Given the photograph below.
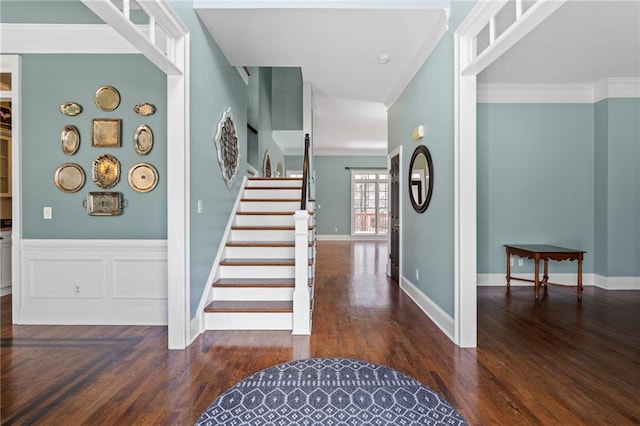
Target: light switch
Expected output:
[199,206]
[47,213]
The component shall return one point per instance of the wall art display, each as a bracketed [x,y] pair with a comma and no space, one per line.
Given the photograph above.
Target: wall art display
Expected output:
[106,132]
[266,165]
[70,109]
[105,171]
[143,177]
[227,146]
[104,203]
[145,109]
[69,177]
[70,140]
[107,98]
[143,139]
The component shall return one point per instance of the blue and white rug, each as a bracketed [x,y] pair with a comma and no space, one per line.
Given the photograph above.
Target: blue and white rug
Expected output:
[329,392]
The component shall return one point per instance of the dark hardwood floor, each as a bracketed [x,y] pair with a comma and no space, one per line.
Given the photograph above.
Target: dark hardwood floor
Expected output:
[554,363]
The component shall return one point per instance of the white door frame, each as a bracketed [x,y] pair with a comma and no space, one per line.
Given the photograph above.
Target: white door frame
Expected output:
[467,65]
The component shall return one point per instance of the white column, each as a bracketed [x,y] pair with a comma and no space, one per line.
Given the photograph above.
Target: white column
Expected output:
[301,295]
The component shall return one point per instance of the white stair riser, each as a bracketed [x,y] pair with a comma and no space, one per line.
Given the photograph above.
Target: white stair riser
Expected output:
[252,293]
[248,321]
[262,235]
[227,271]
[260,252]
[263,220]
[274,183]
[266,206]
[276,194]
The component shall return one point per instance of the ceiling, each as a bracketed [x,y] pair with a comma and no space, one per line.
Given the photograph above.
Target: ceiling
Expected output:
[337,44]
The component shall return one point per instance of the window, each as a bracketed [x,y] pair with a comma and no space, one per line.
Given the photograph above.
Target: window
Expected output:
[370,202]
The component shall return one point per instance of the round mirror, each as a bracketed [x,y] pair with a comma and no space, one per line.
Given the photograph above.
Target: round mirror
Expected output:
[420,178]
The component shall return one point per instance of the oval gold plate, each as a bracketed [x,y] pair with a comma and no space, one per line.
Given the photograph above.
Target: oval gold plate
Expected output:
[70,140]
[145,109]
[143,177]
[70,108]
[107,98]
[143,139]
[105,171]
[69,177]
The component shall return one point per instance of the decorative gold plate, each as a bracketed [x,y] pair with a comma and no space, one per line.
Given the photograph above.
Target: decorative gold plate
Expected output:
[145,109]
[143,139]
[70,140]
[106,132]
[143,177]
[69,177]
[105,171]
[107,98]
[104,203]
[70,108]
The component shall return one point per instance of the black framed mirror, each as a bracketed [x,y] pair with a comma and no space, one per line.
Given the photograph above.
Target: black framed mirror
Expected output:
[420,178]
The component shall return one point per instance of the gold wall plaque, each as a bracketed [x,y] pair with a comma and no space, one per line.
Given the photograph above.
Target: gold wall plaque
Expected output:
[70,108]
[69,177]
[105,171]
[104,203]
[145,109]
[143,177]
[107,98]
[106,132]
[143,139]
[70,140]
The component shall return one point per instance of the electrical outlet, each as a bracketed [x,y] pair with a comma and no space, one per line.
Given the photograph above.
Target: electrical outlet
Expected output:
[199,206]
[417,274]
[335,229]
[76,290]
[520,262]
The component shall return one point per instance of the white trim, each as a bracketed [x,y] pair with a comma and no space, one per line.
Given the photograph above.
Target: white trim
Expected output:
[438,31]
[616,283]
[320,4]
[439,317]
[5,291]
[207,294]
[559,93]
[63,38]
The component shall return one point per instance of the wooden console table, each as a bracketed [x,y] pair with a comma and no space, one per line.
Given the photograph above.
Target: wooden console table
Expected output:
[538,252]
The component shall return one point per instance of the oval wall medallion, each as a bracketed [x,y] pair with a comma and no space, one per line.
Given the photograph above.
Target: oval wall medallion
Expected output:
[145,109]
[105,171]
[70,109]
[143,139]
[70,140]
[227,146]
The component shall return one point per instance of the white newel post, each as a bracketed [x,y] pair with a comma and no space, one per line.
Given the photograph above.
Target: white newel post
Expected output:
[301,295]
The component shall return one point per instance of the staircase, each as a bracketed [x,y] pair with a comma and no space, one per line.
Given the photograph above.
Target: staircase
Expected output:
[254,288]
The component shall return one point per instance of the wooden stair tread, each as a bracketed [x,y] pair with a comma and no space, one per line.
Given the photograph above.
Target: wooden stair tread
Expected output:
[266,228]
[263,243]
[255,282]
[246,306]
[261,262]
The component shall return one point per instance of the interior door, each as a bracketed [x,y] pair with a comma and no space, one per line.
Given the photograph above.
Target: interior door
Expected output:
[394,216]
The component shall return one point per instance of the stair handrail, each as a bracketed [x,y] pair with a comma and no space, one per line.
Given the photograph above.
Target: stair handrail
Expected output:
[305,173]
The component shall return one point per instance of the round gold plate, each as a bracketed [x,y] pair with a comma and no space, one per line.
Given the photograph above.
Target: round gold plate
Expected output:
[143,139]
[105,171]
[70,140]
[143,177]
[107,98]
[69,177]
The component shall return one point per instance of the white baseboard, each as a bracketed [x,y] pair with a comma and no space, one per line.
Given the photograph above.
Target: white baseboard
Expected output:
[4,291]
[89,282]
[335,237]
[442,319]
[607,283]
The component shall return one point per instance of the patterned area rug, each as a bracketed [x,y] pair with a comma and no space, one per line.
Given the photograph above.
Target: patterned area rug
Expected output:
[329,392]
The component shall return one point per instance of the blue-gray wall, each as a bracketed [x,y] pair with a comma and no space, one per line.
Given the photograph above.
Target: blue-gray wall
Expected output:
[535,180]
[333,190]
[265,132]
[215,86]
[77,79]
[287,98]
[427,238]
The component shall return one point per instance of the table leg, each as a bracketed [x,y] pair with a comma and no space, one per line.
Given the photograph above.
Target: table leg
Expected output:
[536,283]
[508,268]
[545,277]
[580,278]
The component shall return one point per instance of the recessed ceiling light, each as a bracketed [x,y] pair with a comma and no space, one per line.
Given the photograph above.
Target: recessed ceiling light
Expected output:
[384,58]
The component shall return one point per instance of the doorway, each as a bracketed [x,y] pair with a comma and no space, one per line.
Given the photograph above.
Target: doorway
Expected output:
[394,218]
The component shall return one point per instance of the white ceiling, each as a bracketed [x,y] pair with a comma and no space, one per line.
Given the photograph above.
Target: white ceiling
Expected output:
[337,44]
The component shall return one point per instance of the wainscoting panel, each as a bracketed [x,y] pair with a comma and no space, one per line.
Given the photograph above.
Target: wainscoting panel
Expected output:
[121,282]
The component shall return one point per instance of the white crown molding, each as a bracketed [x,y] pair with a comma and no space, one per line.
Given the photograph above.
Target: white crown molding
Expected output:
[59,38]
[558,93]
[320,4]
